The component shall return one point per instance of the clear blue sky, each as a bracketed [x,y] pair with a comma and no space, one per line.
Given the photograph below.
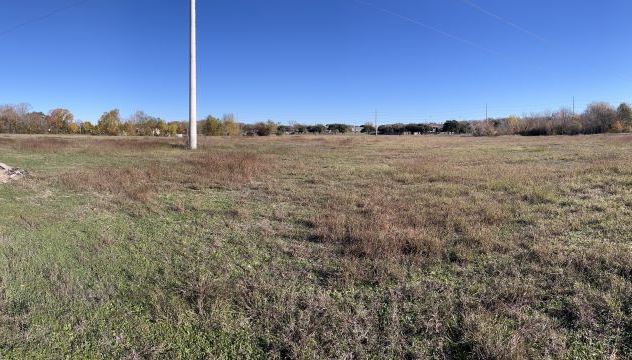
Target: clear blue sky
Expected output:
[317,60]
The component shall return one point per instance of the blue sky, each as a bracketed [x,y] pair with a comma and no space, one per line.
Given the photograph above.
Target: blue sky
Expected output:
[317,60]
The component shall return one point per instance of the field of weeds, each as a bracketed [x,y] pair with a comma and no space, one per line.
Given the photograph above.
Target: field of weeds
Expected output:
[317,247]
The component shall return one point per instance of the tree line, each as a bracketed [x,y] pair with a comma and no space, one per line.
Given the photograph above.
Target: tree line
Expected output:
[597,118]
[17,119]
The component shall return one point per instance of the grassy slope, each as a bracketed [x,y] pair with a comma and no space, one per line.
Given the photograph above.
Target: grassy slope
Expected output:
[318,247]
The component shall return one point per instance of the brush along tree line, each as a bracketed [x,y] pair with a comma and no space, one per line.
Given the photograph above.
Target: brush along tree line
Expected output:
[597,118]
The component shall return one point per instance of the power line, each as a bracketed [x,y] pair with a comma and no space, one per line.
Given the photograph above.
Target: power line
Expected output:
[446,34]
[43,17]
[426,26]
[503,20]
[526,31]
[412,116]
[471,43]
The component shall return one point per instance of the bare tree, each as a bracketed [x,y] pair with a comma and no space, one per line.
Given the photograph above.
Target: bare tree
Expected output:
[11,117]
[599,117]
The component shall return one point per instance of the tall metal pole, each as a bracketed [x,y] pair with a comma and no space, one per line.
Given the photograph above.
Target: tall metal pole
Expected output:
[376,126]
[193,82]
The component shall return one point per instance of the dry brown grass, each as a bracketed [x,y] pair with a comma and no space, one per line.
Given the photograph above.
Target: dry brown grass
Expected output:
[503,211]
[93,145]
[335,247]
[438,202]
[36,144]
[142,182]
[130,182]
[389,227]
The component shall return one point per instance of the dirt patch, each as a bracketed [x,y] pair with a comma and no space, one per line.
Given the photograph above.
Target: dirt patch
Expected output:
[8,173]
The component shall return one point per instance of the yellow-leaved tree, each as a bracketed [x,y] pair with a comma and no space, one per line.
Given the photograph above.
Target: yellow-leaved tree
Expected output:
[110,123]
[231,127]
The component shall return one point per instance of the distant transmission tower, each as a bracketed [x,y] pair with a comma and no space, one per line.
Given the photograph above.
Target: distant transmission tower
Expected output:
[193,82]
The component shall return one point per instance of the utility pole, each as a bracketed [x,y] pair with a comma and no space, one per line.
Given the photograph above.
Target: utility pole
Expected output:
[573,106]
[375,122]
[193,82]
[486,114]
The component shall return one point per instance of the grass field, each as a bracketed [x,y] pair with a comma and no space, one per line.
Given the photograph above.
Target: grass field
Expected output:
[317,247]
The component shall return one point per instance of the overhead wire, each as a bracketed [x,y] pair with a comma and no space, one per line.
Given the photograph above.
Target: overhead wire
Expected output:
[477,7]
[528,32]
[375,7]
[42,17]
[428,27]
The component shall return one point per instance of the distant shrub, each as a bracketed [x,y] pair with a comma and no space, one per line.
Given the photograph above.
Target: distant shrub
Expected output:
[299,129]
[484,128]
[368,129]
[456,127]
[265,128]
[316,129]
[339,128]
[283,130]
[405,129]
[418,129]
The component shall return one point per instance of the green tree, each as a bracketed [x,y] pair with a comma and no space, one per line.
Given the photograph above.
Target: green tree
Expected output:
[339,128]
[456,127]
[450,126]
[110,123]
[283,129]
[316,129]
[171,129]
[300,128]
[212,127]
[368,129]
[418,128]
